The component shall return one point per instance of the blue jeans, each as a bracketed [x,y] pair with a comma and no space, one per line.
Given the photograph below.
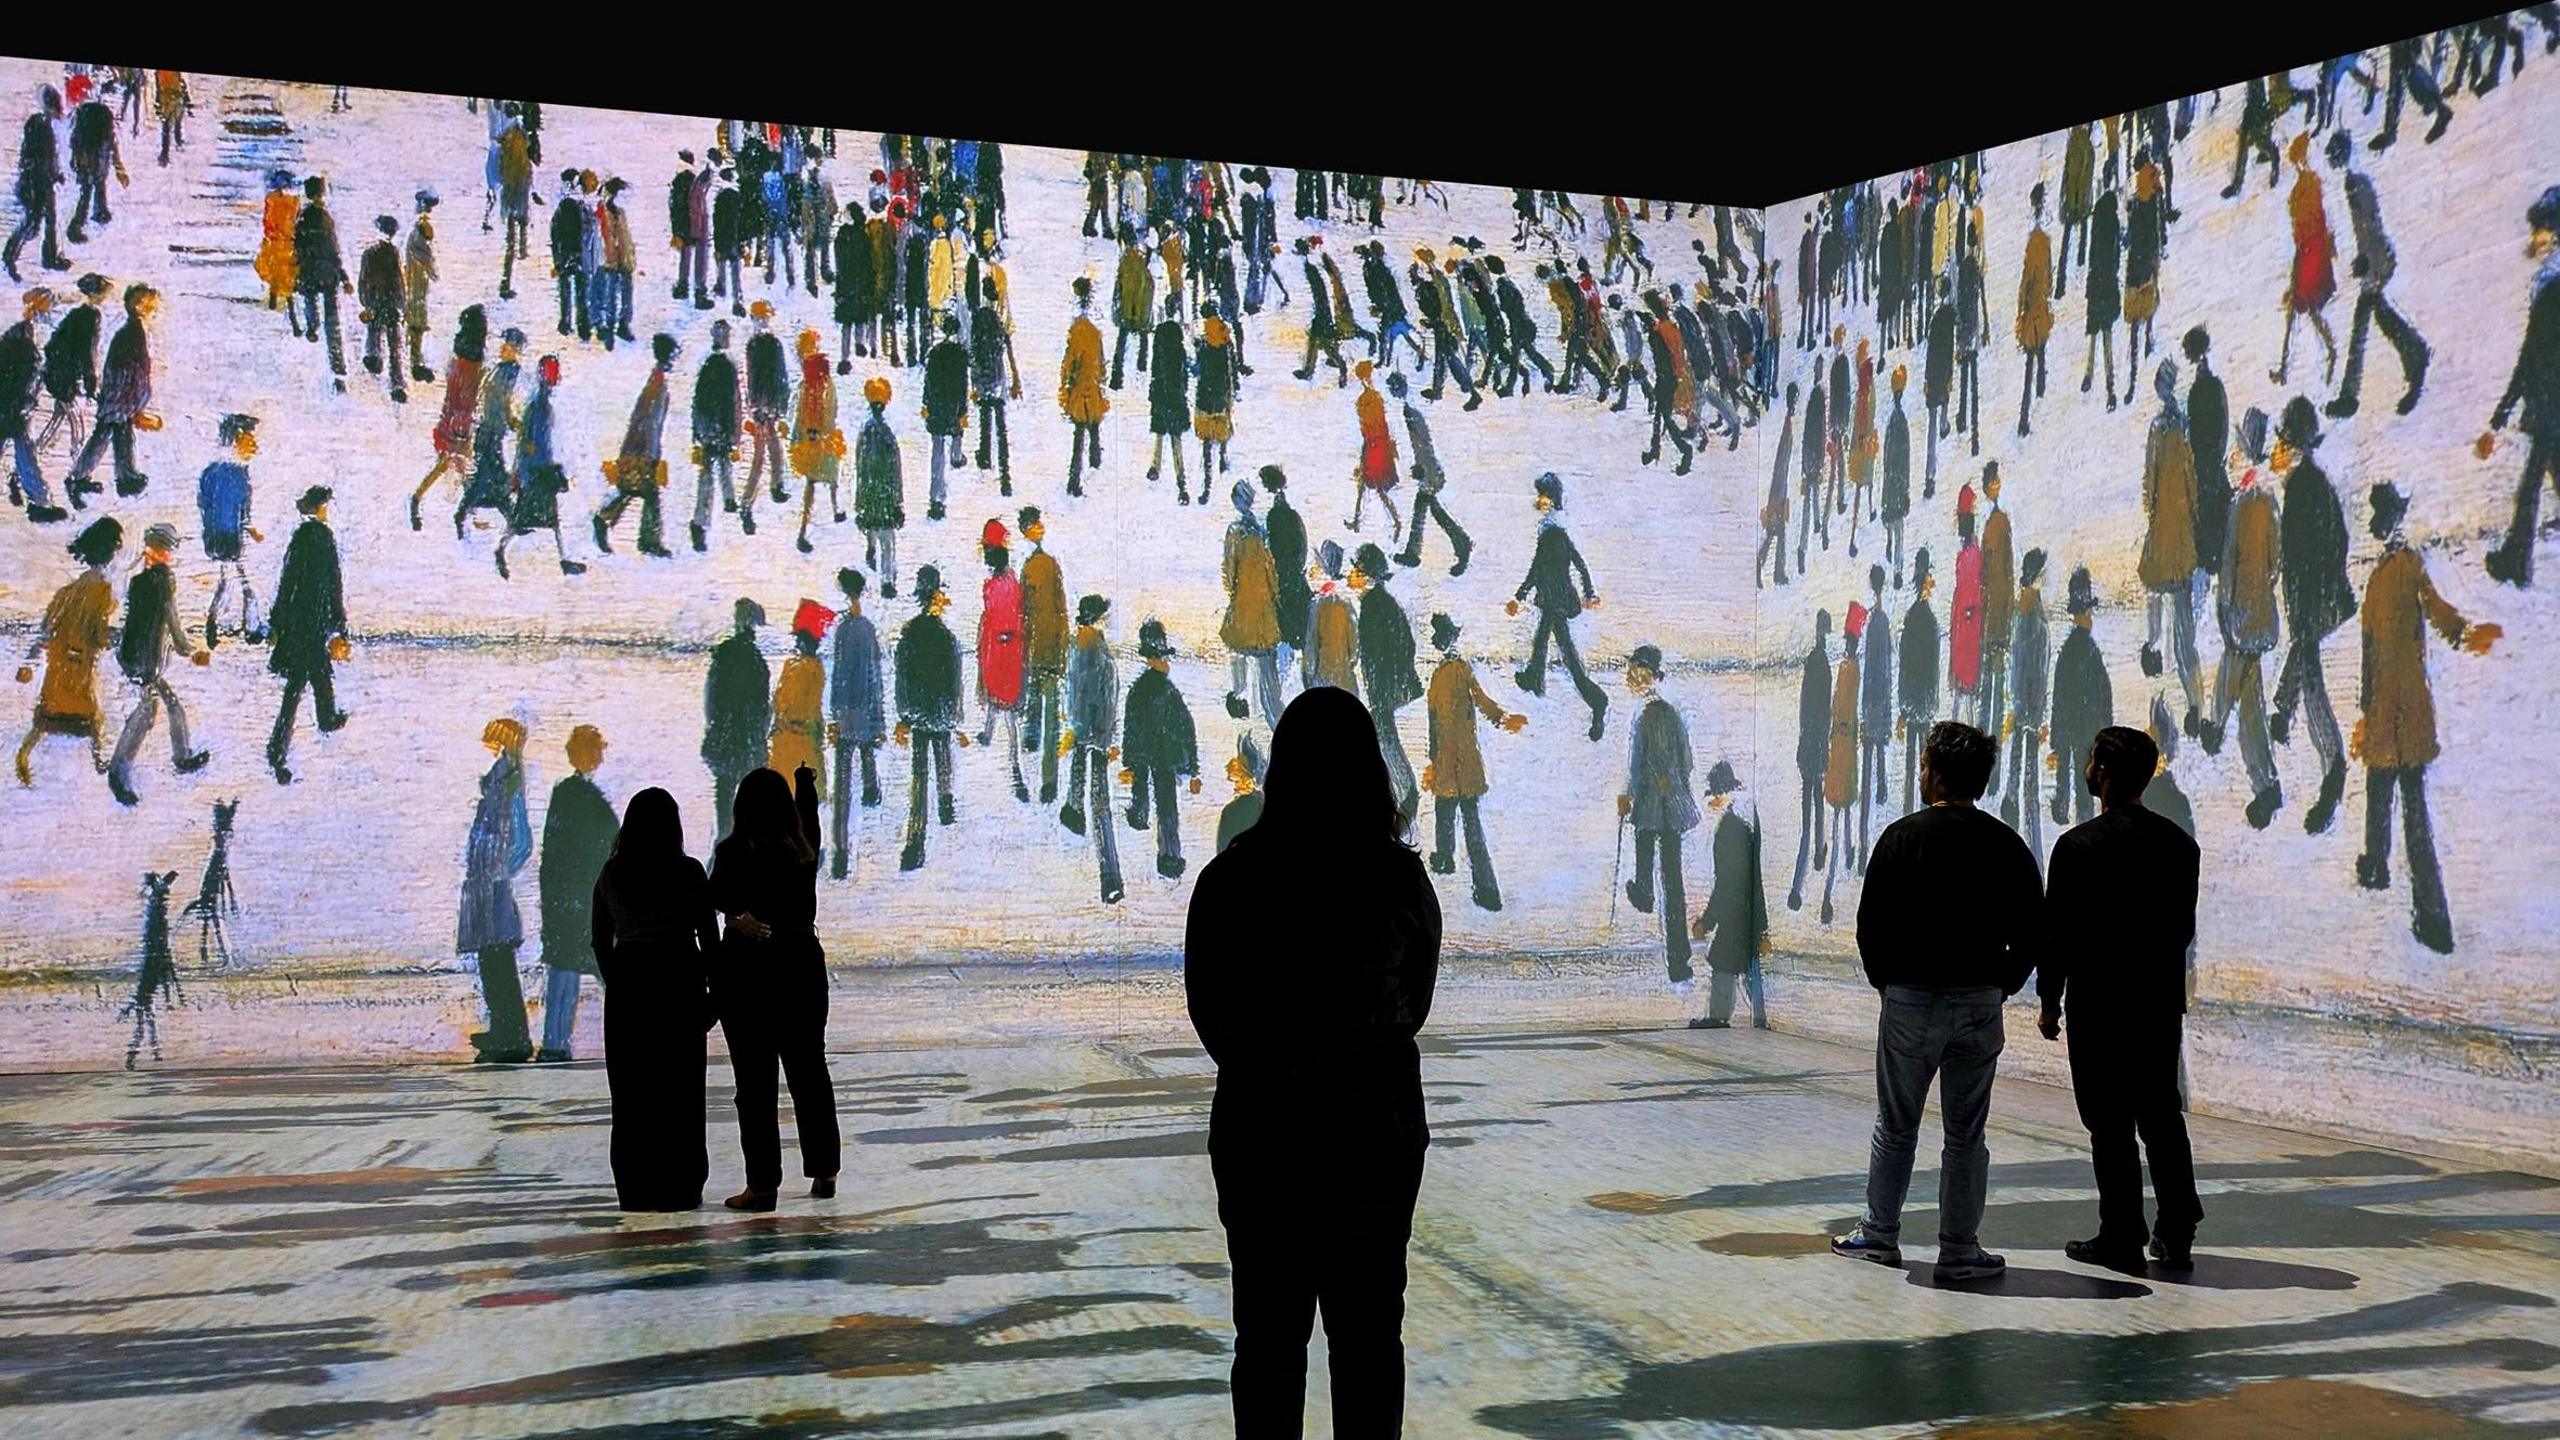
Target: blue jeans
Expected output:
[29,478]
[1955,1036]
[559,1009]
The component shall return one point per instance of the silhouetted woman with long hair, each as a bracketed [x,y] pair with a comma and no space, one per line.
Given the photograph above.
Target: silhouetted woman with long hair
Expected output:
[771,980]
[653,935]
[1316,1135]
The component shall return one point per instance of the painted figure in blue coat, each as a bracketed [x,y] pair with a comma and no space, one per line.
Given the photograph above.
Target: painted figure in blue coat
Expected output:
[489,927]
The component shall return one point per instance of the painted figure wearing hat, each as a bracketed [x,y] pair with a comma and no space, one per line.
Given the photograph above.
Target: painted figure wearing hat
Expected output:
[71,369]
[768,403]
[927,695]
[637,471]
[1388,679]
[1332,654]
[76,627]
[1840,768]
[1092,738]
[2313,277]
[1558,586]
[737,709]
[320,273]
[2395,736]
[1428,481]
[21,381]
[1002,647]
[2250,618]
[417,276]
[1658,805]
[1159,744]
[2318,598]
[879,487]
[719,412]
[1964,612]
[1244,772]
[618,261]
[2535,384]
[151,634]
[490,483]
[383,304]
[856,717]
[1735,922]
[1454,770]
[540,478]
[124,397]
[274,262]
[2208,416]
[1169,402]
[799,698]
[2030,661]
[1133,304]
[307,628]
[2083,702]
[2168,562]
[1917,673]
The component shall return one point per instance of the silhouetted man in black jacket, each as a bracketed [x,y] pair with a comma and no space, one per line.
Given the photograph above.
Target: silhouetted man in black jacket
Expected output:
[2123,888]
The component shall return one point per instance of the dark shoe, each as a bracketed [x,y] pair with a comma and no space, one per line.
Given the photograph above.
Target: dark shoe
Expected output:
[190,764]
[2151,663]
[657,552]
[933,511]
[949,813]
[1135,818]
[2263,806]
[1703,1023]
[911,858]
[573,567]
[1171,866]
[1858,1245]
[421,374]
[1072,818]
[1641,899]
[2209,735]
[756,1200]
[701,542]
[2280,727]
[2168,1254]
[2340,408]
[373,364]
[823,1188]
[548,1056]
[1978,1264]
[284,776]
[1235,705]
[47,514]
[123,792]
[2436,935]
[1458,569]
[2106,1255]
[2373,874]
[1443,864]
[332,724]
[1533,684]
[2505,565]
[129,486]
[2324,806]
[604,538]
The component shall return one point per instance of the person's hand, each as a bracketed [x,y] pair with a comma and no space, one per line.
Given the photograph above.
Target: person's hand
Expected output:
[899,733]
[1510,607]
[833,732]
[2049,1024]
[1767,944]
[1115,753]
[26,673]
[339,649]
[1428,771]
[1700,926]
[1128,777]
[2044,735]
[2480,637]
[960,738]
[349,286]
[1590,602]
[1514,722]
[2498,417]
[146,420]
[2053,761]
[2355,740]
[1195,784]
[1626,806]
[697,454]
[256,535]
[755,929]
[200,658]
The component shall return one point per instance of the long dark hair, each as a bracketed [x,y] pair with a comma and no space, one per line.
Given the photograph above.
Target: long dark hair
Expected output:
[652,833]
[1327,772]
[763,822]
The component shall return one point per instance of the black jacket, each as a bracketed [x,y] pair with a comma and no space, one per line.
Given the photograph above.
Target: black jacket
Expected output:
[2120,904]
[1952,902]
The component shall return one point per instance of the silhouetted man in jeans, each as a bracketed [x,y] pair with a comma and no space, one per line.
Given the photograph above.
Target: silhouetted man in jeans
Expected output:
[2123,886]
[1949,926]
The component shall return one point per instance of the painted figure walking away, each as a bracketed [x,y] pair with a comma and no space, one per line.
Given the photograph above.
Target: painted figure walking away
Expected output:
[2249,618]
[1428,480]
[857,722]
[461,412]
[1080,377]
[737,711]
[2083,702]
[879,488]
[1917,673]
[152,634]
[1159,744]
[539,479]
[1092,738]
[1244,772]
[2534,383]
[577,840]
[1453,769]
[489,929]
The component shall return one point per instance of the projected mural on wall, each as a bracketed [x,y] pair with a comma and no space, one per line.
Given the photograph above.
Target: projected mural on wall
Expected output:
[402,481]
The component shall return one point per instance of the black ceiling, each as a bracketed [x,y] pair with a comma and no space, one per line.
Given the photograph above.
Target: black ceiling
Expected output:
[1745,111]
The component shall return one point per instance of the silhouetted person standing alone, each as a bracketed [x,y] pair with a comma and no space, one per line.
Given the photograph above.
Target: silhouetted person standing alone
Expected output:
[1949,926]
[653,931]
[1316,1135]
[771,980]
[2123,888]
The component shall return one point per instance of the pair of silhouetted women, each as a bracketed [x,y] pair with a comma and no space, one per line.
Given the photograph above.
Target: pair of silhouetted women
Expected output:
[670,974]
[1316,1135]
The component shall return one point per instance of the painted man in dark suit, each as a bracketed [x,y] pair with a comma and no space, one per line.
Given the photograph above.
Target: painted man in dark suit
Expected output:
[1553,571]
